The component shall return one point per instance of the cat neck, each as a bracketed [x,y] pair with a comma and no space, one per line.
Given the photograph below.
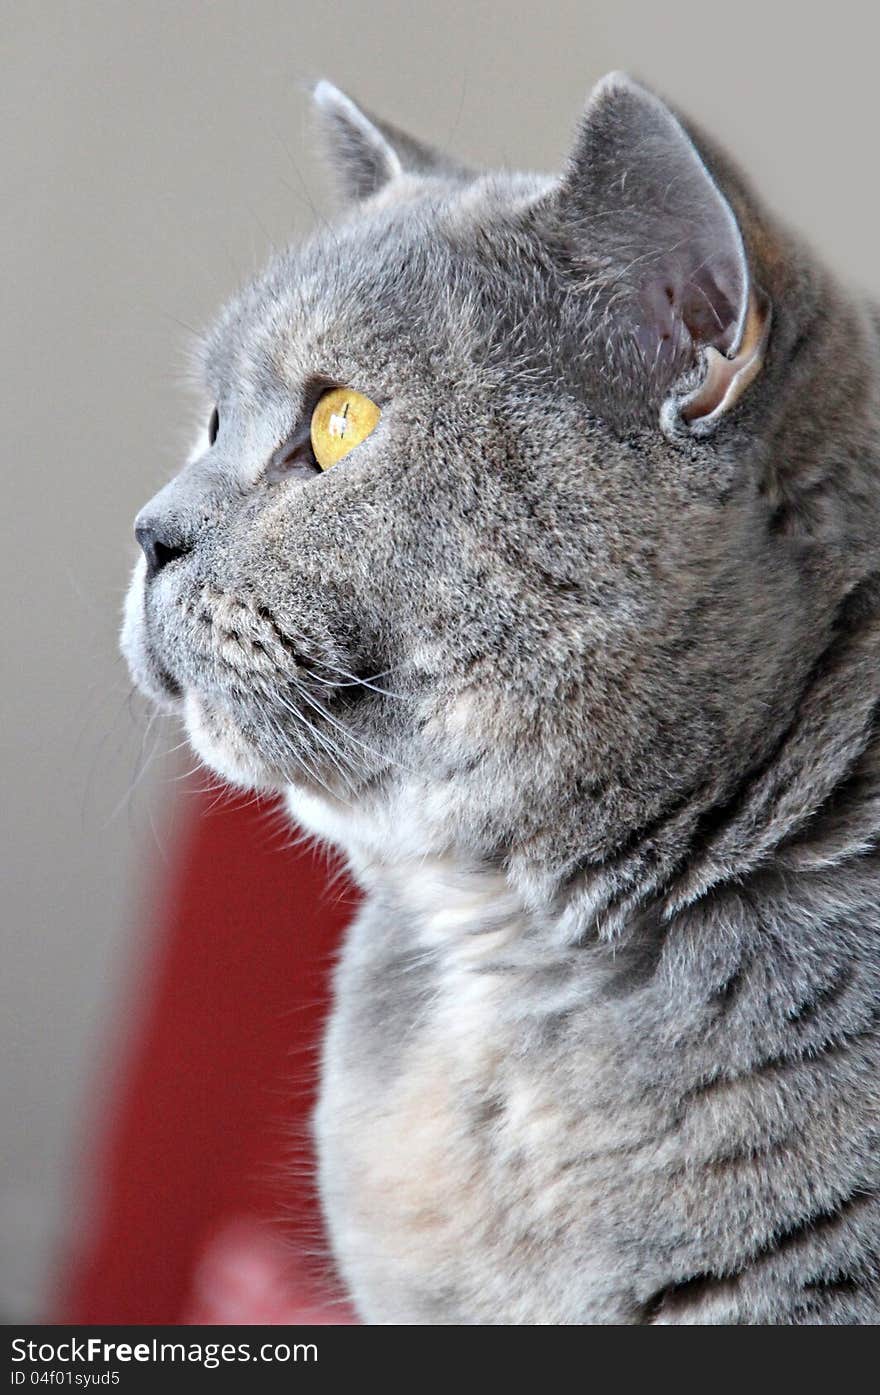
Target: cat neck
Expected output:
[812,806]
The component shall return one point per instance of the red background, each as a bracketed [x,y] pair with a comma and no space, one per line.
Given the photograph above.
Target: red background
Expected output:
[196,1200]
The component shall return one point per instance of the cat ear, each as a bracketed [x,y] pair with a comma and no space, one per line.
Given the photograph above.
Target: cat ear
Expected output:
[368,154]
[665,255]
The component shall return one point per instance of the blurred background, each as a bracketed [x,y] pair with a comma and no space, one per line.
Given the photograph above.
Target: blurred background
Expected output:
[152,155]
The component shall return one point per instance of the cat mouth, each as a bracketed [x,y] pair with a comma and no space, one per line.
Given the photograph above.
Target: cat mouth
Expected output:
[154,676]
[148,672]
[158,684]
[170,686]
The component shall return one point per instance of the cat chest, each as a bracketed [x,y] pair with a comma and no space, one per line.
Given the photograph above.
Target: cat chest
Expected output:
[445,1150]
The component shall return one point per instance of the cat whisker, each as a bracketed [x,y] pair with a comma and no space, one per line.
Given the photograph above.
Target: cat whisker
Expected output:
[349,736]
[335,753]
[142,765]
[350,681]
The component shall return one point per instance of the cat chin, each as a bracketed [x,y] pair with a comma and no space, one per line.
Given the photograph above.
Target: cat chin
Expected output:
[321,814]
[217,742]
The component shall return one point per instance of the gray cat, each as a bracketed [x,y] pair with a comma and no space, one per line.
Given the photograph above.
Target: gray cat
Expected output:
[533,550]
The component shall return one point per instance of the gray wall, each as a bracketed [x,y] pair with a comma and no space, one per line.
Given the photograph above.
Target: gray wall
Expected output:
[151,152]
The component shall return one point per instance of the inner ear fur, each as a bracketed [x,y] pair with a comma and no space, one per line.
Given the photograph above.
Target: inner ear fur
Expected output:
[727,376]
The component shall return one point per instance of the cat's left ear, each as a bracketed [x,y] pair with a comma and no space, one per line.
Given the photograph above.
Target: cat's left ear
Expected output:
[368,154]
[664,257]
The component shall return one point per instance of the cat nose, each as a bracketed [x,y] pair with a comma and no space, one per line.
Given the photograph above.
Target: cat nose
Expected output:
[160,543]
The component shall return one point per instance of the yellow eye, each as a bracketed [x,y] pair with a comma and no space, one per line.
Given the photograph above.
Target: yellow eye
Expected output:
[342,419]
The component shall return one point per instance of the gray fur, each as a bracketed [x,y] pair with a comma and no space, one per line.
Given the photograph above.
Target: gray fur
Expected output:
[587,692]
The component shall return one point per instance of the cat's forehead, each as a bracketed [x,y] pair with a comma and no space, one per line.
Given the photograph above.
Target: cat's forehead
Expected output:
[393,277]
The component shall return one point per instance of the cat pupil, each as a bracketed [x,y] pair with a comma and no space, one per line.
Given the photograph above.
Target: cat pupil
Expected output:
[213,426]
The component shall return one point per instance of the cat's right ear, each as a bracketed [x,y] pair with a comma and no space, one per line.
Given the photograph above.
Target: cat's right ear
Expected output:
[663,257]
[368,155]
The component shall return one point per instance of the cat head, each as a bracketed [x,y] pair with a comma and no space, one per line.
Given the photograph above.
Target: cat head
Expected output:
[549,585]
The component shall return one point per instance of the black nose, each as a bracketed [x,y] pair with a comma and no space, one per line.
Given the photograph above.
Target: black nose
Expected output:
[159,544]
